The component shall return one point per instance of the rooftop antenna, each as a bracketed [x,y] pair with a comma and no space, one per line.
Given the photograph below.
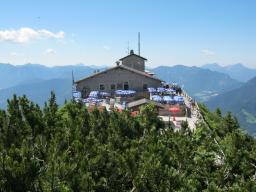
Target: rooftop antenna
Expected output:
[128,48]
[139,43]
[73,85]
[73,79]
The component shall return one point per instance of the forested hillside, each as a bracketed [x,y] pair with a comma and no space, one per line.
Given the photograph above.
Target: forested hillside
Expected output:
[69,148]
[241,102]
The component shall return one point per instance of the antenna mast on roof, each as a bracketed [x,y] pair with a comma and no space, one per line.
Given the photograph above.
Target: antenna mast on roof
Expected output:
[73,79]
[139,43]
[128,48]
[73,85]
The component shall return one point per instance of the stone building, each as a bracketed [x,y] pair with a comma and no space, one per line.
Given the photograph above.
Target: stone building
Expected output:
[128,75]
[134,61]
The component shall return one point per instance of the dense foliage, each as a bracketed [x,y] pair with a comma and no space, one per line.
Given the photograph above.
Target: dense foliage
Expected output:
[70,149]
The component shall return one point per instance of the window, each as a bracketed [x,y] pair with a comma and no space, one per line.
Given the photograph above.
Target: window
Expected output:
[112,86]
[119,86]
[126,86]
[84,92]
[145,87]
[102,87]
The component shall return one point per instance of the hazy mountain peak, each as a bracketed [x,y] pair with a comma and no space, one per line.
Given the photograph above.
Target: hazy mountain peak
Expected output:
[236,71]
[238,65]
[212,65]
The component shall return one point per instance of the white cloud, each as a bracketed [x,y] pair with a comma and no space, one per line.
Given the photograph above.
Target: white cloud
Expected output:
[14,54]
[24,35]
[208,52]
[106,47]
[50,51]
[27,60]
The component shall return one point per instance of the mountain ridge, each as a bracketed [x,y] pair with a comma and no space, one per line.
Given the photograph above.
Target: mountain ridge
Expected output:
[236,71]
[39,90]
[241,102]
[197,80]
[12,75]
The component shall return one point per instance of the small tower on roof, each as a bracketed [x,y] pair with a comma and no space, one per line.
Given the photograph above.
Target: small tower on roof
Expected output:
[134,61]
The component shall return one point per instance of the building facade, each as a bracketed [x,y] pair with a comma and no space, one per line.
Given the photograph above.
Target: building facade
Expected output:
[129,75]
[134,61]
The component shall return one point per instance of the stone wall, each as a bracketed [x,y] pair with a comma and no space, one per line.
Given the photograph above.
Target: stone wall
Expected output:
[117,77]
[134,62]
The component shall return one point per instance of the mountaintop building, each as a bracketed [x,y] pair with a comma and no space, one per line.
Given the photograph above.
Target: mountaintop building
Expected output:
[128,74]
[134,61]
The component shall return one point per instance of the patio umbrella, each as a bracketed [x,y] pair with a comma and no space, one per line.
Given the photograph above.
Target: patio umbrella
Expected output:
[76,94]
[125,92]
[94,94]
[104,94]
[131,92]
[174,110]
[161,90]
[157,98]
[168,99]
[170,90]
[86,100]
[151,90]
[92,100]
[179,99]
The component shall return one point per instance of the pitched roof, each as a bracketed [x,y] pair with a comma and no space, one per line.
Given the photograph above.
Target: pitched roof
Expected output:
[144,101]
[122,67]
[133,54]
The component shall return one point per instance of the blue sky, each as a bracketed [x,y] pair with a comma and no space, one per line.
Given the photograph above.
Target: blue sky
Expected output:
[97,32]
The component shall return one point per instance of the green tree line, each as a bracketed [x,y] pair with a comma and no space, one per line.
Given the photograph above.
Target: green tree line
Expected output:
[68,148]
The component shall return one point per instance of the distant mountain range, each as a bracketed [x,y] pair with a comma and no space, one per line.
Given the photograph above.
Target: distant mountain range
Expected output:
[211,82]
[199,83]
[236,71]
[11,75]
[241,102]
[39,91]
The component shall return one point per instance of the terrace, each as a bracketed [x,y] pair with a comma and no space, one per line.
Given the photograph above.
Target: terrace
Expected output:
[172,103]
